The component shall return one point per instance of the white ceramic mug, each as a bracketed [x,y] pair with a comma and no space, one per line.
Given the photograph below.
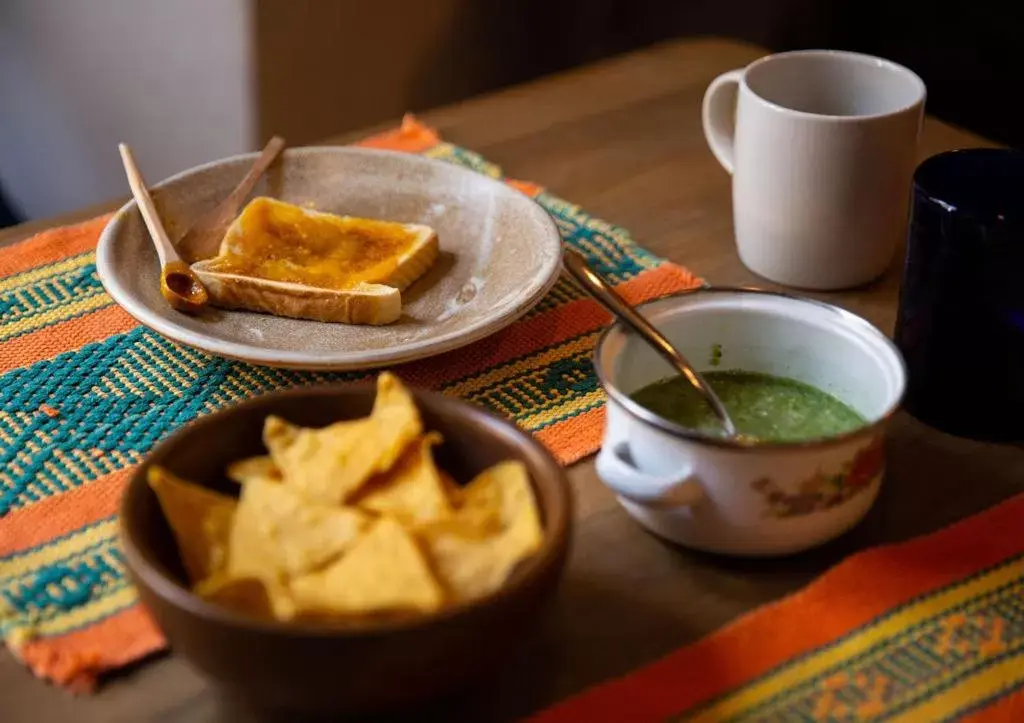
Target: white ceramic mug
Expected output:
[733,497]
[821,145]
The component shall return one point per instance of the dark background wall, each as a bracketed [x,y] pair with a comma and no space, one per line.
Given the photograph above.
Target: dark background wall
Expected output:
[971,55]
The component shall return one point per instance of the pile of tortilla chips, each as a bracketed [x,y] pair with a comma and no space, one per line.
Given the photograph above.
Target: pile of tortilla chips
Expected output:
[351,521]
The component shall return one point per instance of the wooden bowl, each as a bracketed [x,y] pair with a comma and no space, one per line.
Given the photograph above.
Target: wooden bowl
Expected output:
[337,670]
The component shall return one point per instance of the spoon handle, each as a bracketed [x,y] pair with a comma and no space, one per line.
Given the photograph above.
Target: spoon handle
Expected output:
[203,240]
[601,290]
[164,248]
[270,152]
[179,284]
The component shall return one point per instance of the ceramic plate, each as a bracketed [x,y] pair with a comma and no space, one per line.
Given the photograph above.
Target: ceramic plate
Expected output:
[500,253]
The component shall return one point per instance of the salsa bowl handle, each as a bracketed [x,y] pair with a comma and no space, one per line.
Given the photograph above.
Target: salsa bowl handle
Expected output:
[616,470]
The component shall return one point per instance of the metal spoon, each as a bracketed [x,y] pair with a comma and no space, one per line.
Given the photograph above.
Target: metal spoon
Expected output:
[179,284]
[602,291]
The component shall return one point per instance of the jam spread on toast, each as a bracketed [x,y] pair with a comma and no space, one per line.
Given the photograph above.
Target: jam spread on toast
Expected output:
[278,241]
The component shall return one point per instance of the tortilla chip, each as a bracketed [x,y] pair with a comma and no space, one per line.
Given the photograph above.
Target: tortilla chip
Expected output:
[244,595]
[452,488]
[278,533]
[495,498]
[352,521]
[397,419]
[473,566]
[331,464]
[199,518]
[386,571]
[261,467]
[326,465]
[413,490]
[472,561]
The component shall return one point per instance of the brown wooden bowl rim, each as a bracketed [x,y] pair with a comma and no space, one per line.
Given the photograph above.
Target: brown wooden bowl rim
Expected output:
[557,521]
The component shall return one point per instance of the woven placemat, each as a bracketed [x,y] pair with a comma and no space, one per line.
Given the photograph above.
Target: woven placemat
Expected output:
[86,393]
[925,631]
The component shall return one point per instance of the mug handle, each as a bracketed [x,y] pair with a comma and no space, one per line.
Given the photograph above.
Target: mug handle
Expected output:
[718,114]
[628,482]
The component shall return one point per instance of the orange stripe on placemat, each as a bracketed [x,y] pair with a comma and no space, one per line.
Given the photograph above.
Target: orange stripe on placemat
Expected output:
[52,245]
[668,278]
[574,438]
[776,633]
[411,137]
[62,514]
[75,659]
[530,189]
[551,327]
[50,341]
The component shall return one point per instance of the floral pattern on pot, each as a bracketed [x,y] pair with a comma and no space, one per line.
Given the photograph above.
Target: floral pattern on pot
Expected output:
[825,491]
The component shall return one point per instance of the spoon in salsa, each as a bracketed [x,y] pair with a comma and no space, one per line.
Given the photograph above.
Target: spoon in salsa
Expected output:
[594,284]
[179,284]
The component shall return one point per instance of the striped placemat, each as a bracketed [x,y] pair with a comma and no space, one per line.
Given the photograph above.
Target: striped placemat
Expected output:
[925,631]
[85,393]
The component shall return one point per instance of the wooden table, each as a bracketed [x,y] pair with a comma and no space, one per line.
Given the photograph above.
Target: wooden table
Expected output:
[623,138]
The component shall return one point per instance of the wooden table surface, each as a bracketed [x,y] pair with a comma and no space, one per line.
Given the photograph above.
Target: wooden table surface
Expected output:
[622,138]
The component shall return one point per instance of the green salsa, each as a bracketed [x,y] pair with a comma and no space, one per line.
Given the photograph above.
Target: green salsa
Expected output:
[762,406]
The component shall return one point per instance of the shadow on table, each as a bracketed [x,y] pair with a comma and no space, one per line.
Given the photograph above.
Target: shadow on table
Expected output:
[572,648]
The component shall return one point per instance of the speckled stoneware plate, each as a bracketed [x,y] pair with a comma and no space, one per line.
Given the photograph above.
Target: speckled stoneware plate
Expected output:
[500,253]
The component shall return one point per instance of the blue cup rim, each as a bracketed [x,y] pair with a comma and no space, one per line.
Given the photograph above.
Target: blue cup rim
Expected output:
[925,181]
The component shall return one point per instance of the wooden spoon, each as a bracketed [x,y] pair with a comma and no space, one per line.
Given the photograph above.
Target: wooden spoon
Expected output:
[178,282]
[202,241]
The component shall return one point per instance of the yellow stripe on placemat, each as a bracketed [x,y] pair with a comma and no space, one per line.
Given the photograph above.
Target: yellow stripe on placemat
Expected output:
[994,681]
[38,606]
[475,384]
[773,690]
[39,273]
[145,356]
[538,420]
[60,312]
[87,614]
[57,550]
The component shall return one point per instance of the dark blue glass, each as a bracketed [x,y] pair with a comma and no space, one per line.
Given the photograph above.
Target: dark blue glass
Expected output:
[961,315]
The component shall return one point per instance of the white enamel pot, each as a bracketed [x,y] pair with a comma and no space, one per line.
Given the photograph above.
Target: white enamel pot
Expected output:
[748,498]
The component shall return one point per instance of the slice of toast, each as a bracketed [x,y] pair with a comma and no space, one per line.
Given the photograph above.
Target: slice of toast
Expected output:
[281,259]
